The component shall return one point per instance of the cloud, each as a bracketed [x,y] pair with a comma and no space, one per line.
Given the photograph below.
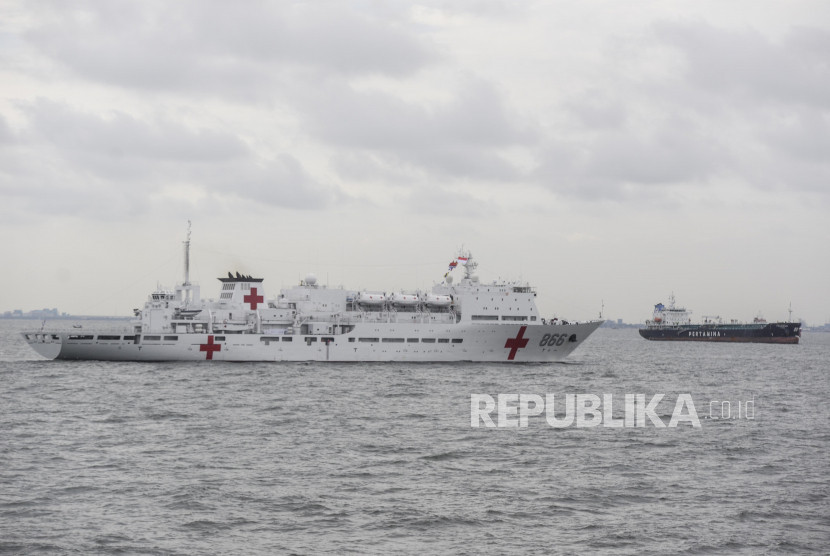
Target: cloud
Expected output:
[731,109]
[676,151]
[451,203]
[212,48]
[459,138]
[5,131]
[114,164]
[595,109]
[649,124]
[770,99]
[638,159]
[119,135]
[282,181]
[302,58]
[803,134]
[746,63]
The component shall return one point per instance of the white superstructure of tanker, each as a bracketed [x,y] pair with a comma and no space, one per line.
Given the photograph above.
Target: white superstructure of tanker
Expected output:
[467,320]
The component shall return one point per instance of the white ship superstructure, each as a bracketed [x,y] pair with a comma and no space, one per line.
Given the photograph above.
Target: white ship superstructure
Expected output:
[464,321]
[669,316]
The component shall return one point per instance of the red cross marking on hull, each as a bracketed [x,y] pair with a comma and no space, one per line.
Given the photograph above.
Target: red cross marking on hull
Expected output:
[515,344]
[210,347]
[253,298]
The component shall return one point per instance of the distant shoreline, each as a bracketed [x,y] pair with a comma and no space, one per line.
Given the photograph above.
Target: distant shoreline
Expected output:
[66,317]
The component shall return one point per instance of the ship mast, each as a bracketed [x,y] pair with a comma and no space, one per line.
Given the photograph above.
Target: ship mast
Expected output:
[187,257]
[186,287]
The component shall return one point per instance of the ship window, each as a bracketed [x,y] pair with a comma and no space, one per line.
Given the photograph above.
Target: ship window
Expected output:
[485,317]
[84,337]
[443,340]
[392,340]
[428,340]
[457,340]
[104,337]
[351,339]
[219,338]
[171,338]
[151,338]
[367,339]
[412,340]
[287,339]
[505,317]
[56,337]
[309,341]
[269,339]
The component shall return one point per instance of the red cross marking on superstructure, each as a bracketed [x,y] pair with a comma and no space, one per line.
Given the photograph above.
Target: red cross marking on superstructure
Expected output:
[210,347]
[515,344]
[253,298]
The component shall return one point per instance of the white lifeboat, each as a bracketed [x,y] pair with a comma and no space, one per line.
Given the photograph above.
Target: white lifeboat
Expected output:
[367,298]
[435,300]
[404,299]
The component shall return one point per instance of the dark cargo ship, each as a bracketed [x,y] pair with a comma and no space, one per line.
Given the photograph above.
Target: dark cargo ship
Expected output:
[673,323]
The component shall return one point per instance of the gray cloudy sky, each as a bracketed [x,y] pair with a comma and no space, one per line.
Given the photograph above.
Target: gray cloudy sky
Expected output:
[602,150]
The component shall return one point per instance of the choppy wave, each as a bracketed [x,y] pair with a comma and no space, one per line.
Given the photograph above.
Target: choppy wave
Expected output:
[121,458]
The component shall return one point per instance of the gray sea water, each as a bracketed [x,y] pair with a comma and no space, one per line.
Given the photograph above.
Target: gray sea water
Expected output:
[222,458]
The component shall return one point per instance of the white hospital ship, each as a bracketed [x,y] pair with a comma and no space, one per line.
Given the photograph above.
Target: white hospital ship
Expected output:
[467,320]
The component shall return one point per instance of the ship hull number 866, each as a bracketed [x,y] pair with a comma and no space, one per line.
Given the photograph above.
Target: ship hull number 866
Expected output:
[553,340]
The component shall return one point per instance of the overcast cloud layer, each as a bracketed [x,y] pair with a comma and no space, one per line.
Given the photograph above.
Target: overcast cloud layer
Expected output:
[608,152]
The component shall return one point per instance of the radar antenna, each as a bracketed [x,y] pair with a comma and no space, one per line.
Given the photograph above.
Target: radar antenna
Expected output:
[469,265]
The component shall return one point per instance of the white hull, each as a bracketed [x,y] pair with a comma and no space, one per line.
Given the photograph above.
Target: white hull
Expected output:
[378,342]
